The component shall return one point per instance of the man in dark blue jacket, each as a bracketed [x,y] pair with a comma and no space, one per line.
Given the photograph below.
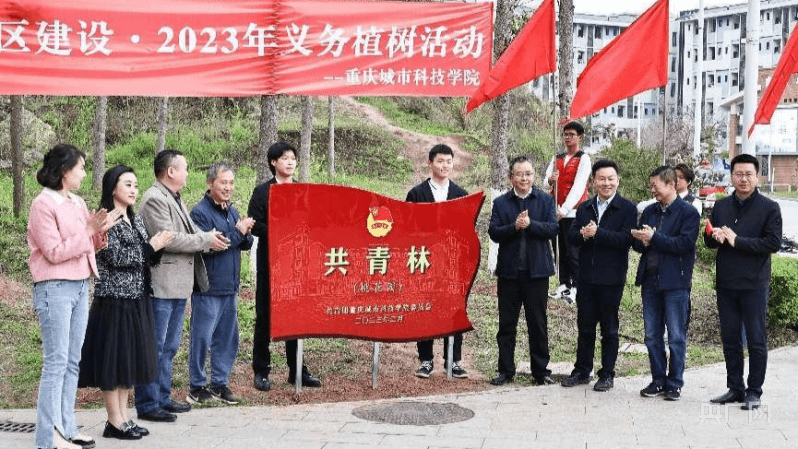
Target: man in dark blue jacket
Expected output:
[522,222]
[439,188]
[214,318]
[747,229]
[601,232]
[666,238]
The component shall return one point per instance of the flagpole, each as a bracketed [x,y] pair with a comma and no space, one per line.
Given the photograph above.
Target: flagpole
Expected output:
[554,166]
[664,120]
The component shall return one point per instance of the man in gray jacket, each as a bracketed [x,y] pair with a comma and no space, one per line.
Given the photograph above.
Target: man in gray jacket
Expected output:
[173,279]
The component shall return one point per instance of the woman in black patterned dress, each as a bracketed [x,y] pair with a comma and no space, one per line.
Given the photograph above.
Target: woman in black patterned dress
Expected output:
[119,350]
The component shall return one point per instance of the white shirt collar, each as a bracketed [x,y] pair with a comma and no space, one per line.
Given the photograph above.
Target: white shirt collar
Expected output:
[57,197]
[522,196]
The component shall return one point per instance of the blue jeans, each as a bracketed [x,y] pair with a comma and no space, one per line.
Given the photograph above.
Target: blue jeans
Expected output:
[214,326]
[62,307]
[168,319]
[669,308]
[744,310]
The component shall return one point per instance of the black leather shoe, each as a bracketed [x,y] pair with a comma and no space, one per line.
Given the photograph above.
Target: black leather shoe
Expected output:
[575,379]
[604,384]
[141,430]
[307,380]
[501,379]
[729,397]
[544,380]
[158,415]
[262,382]
[124,432]
[751,401]
[177,407]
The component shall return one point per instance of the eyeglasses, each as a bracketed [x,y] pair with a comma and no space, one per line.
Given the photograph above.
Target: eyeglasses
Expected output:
[570,135]
[748,175]
[526,174]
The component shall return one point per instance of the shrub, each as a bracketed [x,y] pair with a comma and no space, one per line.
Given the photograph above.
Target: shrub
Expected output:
[635,164]
[783,306]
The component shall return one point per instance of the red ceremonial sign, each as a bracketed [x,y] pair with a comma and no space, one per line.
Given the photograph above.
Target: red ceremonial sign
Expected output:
[243,47]
[351,263]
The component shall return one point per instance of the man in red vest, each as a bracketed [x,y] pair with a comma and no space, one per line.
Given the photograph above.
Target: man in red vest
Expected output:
[567,176]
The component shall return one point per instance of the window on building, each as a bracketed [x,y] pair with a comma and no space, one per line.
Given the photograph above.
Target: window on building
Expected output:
[673,89]
[580,57]
[735,79]
[688,54]
[634,114]
[598,32]
[767,45]
[710,80]
[673,64]
[777,18]
[580,32]
[688,81]
[735,51]
[620,111]
[767,15]
[736,24]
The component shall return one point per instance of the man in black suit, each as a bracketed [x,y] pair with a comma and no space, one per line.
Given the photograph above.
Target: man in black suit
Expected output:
[522,222]
[282,162]
[435,189]
[747,230]
[602,233]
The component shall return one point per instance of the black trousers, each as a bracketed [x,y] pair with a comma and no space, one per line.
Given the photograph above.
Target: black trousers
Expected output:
[532,295]
[597,305]
[738,308]
[425,349]
[261,356]
[569,254]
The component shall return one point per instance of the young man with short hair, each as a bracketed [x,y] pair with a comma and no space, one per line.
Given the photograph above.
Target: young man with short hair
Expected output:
[282,163]
[747,230]
[567,175]
[602,234]
[437,188]
[665,239]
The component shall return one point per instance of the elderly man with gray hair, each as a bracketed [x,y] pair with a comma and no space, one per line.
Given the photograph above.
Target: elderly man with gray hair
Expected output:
[214,318]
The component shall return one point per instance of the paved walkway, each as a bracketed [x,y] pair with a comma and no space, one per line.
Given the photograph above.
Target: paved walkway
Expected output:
[505,418]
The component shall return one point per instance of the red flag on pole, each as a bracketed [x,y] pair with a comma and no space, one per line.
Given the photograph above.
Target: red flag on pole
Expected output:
[635,61]
[529,55]
[788,64]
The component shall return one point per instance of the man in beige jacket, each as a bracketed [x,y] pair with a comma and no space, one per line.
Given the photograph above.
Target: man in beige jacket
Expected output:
[181,269]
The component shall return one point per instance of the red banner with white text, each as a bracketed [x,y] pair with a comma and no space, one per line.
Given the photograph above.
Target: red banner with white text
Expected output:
[243,47]
[350,263]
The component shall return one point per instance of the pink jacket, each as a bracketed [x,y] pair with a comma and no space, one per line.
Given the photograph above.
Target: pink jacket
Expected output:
[59,247]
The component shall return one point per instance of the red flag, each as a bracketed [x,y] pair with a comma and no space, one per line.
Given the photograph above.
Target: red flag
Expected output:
[788,64]
[635,61]
[346,262]
[528,56]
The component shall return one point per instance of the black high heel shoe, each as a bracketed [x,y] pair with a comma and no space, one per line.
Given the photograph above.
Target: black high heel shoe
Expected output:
[141,430]
[125,432]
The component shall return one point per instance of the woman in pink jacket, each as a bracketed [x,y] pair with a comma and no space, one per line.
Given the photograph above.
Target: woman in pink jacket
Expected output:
[62,235]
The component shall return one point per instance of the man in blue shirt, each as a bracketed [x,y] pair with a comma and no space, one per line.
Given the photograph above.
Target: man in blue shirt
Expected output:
[665,239]
[214,318]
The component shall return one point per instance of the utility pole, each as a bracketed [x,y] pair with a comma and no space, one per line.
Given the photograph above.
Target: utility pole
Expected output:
[751,74]
[699,84]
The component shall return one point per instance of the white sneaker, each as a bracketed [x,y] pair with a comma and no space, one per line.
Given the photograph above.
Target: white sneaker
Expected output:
[570,295]
[558,293]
